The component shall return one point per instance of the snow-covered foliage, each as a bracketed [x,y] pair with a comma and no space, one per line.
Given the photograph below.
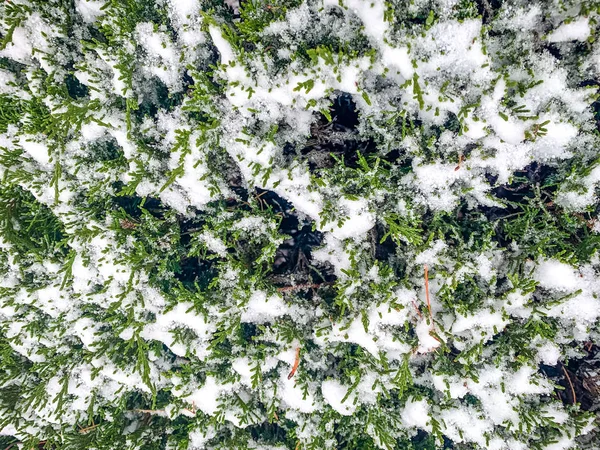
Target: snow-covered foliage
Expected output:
[315,224]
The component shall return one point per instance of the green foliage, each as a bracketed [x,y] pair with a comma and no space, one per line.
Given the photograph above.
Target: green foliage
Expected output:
[29,225]
[363,196]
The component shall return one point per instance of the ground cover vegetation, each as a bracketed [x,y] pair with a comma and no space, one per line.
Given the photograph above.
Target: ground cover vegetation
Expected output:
[299,224]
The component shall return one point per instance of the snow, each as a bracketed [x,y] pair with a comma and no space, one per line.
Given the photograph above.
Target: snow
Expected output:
[184,9]
[371,14]
[510,131]
[465,425]
[292,396]
[359,220]
[460,54]
[485,267]
[577,30]
[430,256]
[427,342]
[90,10]
[162,56]
[7,79]
[527,381]
[252,224]
[483,325]
[453,385]
[213,243]
[234,5]
[582,309]
[435,180]
[180,316]
[555,275]
[36,150]
[577,200]
[92,131]
[30,41]
[19,48]
[549,354]
[563,444]
[333,393]
[222,45]
[262,309]
[206,397]
[398,58]
[196,190]
[416,414]
[466,79]
[354,333]
[198,439]
[243,367]
[52,301]
[333,252]
[294,186]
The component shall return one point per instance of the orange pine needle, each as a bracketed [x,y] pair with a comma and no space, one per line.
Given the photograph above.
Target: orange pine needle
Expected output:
[296,363]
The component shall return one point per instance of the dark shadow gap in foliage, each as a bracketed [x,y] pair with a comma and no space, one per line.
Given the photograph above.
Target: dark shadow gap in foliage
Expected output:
[194,270]
[268,432]
[157,97]
[487,9]
[579,378]
[531,217]
[134,205]
[75,89]
[344,113]
[337,138]
[294,254]
[383,249]
[293,259]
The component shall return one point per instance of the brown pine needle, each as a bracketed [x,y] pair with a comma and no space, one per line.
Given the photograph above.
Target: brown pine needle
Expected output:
[86,429]
[299,287]
[427,292]
[570,383]
[296,363]
[460,160]
[417,309]
[149,411]
[434,336]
